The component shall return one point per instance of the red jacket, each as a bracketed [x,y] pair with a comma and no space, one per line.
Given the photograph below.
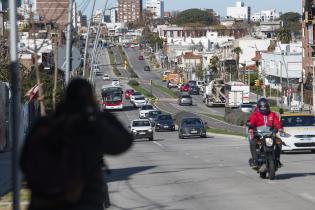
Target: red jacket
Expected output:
[257,119]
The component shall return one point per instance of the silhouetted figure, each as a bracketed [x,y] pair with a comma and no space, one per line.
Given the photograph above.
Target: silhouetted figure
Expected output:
[62,156]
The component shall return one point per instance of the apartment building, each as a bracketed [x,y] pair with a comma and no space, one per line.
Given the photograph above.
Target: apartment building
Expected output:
[129,10]
[156,7]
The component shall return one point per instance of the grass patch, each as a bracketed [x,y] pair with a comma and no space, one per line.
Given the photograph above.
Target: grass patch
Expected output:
[113,62]
[142,90]
[220,131]
[25,195]
[166,90]
[221,118]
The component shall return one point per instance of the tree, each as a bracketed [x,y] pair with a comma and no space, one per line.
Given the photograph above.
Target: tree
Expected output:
[196,16]
[237,51]
[292,22]
[199,72]
[214,65]
[284,35]
[290,17]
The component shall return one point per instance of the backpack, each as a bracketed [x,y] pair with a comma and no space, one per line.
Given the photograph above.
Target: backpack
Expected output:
[51,163]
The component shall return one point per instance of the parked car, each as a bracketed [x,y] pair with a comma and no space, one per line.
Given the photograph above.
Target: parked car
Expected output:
[115,82]
[192,83]
[141,57]
[133,95]
[143,111]
[105,77]
[128,93]
[192,126]
[152,116]
[193,90]
[298,131]
[185,100]
[247,107]
[139,101]
[164,122]
[184,88]
[141,128]
[147,68]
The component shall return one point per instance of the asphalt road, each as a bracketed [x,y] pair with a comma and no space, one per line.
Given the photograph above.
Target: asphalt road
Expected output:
[210,173]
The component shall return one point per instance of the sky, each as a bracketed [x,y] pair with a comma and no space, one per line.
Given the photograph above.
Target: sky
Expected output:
[219,6]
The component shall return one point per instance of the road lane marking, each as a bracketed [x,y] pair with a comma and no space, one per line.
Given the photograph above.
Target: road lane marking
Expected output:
[196,156]
[241,172]
[157,143]
[308,196]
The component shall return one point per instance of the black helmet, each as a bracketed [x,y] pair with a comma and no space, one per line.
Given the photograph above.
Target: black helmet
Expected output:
[263,106]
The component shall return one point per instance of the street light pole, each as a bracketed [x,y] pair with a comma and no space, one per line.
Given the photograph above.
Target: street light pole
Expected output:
[69,43]
[16,105]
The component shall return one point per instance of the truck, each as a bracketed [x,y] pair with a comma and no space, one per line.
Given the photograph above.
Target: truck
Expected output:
[236,93]
[214,93]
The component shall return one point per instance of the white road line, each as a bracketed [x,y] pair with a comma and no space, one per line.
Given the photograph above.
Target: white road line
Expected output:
[308,197]
[241,172]
[157,143]
[196,156]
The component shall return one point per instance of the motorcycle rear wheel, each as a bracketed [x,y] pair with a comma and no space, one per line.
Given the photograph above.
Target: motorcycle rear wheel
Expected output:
[272,169]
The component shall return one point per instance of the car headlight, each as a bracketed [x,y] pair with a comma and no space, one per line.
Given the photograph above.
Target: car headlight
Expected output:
[158,124]
[134,131]
[269,142]
[150,130]
[284,134]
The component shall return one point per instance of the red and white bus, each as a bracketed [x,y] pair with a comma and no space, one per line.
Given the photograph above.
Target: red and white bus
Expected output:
[112,97]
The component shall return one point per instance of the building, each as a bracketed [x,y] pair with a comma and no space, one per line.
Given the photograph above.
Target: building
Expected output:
[265,16]
[156,7]
[308,40]
[114,15]
[240,11]
[53,11]
[97,16]
[129,10]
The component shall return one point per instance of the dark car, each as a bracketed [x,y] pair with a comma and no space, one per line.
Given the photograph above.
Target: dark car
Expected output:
[185,100]
[194,90]
[164,122]
[192,126]
[147,68]
[152,116]
[192,83]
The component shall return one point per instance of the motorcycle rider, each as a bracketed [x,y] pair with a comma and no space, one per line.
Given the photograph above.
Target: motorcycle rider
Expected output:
[262,116]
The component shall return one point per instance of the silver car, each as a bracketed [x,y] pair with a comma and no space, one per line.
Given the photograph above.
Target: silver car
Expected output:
[185,100]
[141,128]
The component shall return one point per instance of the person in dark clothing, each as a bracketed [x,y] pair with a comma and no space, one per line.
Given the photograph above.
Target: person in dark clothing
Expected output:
[62,156]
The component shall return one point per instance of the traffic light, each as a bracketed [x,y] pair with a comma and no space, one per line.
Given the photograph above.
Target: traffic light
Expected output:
[257,82]
[126,65]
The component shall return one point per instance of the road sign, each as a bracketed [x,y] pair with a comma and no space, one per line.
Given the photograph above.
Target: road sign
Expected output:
[76,58]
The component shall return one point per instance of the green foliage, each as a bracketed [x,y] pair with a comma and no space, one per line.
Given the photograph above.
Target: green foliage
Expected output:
[236,117]
[290,17]
[291,22]
[116,71]
[197,17]
[133,82]
[214,65]
[154,39]
[199,72]
[284,35]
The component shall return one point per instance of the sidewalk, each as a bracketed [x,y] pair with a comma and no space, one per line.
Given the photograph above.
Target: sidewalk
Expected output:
[5,172]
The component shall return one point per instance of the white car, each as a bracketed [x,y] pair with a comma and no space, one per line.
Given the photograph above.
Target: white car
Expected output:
[105,77]
[115,82]
[132,96]
[247,108]
[299,131]
[139,101]
[141,128]
[144,110]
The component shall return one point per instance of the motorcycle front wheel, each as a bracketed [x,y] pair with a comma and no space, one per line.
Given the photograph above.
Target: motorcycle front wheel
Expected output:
[263,175]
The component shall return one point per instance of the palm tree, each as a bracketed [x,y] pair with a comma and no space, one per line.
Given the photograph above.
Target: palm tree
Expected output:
[214,65]
[237,51]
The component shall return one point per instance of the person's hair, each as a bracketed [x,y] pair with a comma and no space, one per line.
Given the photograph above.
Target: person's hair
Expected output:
[79,97]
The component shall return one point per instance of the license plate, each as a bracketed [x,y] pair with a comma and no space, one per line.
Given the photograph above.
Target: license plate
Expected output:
[193,131]
[141,133]
[165,126]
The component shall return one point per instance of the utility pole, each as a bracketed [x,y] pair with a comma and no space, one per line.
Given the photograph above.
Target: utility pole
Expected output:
[16,106]
[69,43]
[87,40]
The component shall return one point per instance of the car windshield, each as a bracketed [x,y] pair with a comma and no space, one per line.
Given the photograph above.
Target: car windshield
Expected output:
[139,98]
[165,117]
[136,93]
[191,122]
[140,123]
[154,114]
[147,107]
[246,105]
[295,121]
[186,96]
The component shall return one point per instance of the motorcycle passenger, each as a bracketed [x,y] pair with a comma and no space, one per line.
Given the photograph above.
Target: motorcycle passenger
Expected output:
[262,116]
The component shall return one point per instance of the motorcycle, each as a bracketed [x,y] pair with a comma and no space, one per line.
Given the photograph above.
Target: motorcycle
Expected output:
[266,145]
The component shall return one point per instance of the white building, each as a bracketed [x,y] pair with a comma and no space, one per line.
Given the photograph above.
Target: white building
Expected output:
[156,7]
[240,11]
[265,16]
